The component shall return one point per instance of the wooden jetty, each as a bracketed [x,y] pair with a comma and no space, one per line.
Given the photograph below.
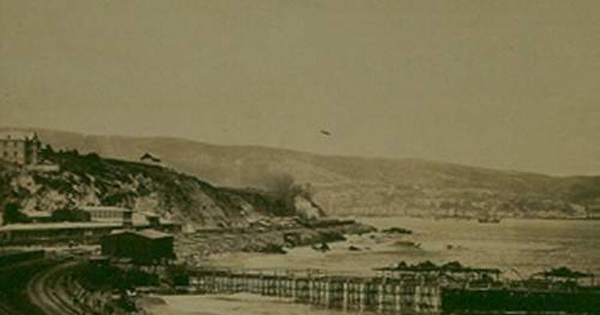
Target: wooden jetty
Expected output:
[411,289]
[414,293]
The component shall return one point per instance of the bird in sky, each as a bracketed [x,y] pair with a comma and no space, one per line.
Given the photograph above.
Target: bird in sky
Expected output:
[325,132]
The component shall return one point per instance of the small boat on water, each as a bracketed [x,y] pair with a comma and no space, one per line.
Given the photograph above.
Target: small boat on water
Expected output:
[489,220]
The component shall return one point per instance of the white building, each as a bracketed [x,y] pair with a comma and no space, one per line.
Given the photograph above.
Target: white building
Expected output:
[19,147]
[109,214]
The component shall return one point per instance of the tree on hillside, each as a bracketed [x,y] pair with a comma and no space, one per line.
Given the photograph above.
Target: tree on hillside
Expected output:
[46,152]
[12,214]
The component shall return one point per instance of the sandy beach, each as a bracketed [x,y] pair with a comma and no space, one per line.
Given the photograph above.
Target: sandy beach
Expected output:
[235,304]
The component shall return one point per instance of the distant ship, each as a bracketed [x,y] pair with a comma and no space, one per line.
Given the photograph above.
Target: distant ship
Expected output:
[488,219]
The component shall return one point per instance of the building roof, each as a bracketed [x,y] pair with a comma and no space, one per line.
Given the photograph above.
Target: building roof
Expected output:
[58,226]
[37,214]
[147,233]
[149,214]
[117,232]
[104,208]
[153,234]
[564,272]
[17,135]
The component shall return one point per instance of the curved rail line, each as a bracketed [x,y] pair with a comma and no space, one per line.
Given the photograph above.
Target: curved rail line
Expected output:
[13,300]
[48,290]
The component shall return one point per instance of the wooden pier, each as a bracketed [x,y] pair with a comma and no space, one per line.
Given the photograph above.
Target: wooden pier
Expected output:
[406,294]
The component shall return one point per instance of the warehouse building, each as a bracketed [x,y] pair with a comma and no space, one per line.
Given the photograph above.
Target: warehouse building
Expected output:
[78,232]
[146,247]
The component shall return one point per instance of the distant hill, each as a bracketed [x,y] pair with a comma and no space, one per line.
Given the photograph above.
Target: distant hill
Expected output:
[356,185]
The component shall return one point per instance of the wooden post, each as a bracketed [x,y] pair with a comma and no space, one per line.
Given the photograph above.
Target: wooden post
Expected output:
[311,292]
[327,292]
[361,298]
[418,296]
[380,296]
[397,297]
[345,296]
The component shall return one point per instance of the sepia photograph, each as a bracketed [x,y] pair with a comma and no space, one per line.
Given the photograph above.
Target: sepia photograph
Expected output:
[327,157]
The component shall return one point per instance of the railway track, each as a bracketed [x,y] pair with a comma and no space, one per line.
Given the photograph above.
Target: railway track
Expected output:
[13,286]
[48,290]
[6,309]
[42,287]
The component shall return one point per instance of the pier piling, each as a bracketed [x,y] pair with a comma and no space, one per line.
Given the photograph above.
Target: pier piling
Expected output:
[413,294]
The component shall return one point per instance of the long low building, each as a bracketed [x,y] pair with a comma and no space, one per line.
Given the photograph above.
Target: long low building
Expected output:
[46,233]
[63,232]
[108,214]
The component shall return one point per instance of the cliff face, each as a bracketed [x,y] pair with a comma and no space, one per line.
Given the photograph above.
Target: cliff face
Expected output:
[92,180]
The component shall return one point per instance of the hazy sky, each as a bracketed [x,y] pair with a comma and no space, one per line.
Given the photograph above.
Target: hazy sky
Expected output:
[504,84]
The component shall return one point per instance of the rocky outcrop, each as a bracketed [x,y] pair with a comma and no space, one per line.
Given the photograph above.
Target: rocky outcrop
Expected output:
[92,180]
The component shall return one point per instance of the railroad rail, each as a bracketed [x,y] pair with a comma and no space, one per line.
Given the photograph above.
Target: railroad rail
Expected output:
[51,291]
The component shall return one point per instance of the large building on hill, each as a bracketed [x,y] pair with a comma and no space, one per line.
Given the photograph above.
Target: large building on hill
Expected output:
[19,147]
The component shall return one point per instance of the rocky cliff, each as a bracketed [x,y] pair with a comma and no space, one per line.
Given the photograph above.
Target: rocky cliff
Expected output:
[88,179]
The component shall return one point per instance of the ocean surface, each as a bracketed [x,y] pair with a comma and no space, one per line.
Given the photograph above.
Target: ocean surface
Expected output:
[517,247]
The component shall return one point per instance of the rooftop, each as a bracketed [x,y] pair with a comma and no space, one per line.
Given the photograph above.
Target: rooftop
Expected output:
[104,208]
[149,214]
[154,234]
[428,266]
[57,226]
[17,135]
[37,214]
[147,233]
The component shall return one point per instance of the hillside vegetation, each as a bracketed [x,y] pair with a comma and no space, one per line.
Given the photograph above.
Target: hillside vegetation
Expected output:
[88,179]
[354,185]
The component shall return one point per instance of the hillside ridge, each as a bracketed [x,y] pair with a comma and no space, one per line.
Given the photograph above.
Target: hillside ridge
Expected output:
[88,179]
[356,185]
